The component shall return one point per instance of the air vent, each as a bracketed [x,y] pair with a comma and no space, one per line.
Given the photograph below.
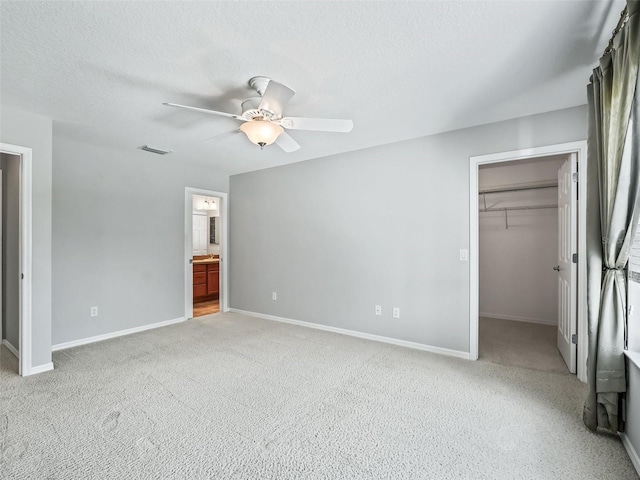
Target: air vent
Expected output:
[159,151]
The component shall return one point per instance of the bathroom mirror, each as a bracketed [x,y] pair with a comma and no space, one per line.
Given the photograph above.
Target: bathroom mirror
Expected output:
[212,230]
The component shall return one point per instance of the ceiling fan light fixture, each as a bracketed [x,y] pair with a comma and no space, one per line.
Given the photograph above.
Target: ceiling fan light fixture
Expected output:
[261,132]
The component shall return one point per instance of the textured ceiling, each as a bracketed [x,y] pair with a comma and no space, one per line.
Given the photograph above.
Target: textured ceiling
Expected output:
[400,70]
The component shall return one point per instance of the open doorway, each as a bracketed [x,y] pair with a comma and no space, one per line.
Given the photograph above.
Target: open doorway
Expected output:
[10,260]
[206,255]
[10,254]
[16,251]
[206,235]
[571,330]
[518,239]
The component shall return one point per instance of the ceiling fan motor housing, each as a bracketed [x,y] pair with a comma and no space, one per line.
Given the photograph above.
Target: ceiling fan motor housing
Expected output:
[251,111]
[259,84]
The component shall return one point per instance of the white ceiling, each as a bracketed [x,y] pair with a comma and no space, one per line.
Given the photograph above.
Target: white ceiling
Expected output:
[400,70]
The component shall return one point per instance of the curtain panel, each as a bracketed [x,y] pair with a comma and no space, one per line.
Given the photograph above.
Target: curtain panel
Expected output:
[613,209]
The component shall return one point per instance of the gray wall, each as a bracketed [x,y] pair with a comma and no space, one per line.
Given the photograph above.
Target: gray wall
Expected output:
[118,235]
[337,235]
[28,130]
[10,165]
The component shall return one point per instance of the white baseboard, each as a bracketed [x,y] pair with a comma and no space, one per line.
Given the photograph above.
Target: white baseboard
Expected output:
[11,348]
[633,455]
[39,369]
[33,370]
[119,333]
[515,318]
[352,333]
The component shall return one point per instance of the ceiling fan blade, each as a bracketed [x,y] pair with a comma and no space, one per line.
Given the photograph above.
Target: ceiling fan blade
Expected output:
[317,124]
[286,143]
[204,110]
[221,136]
[275,97]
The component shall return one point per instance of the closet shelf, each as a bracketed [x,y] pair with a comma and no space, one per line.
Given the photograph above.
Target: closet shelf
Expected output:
[517,188]
[506,210]
[523,207]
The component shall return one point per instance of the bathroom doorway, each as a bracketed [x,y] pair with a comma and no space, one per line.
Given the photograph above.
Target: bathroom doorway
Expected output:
[206,255]
[206,236]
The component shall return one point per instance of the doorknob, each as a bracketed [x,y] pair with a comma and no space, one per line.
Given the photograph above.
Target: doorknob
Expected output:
[557,269]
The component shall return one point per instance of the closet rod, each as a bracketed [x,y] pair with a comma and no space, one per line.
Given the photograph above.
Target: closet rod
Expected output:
[517,189]
[506,211]
[524,207]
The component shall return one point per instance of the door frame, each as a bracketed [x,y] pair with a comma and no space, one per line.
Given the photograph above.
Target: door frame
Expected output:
[25,252]
[580,149]
[1,254]
[189,192]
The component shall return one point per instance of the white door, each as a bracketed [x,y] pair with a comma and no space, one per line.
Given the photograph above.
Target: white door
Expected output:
[567,268]
[200,231]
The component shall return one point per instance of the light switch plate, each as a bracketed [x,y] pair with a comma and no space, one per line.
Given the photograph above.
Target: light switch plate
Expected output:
[464,255]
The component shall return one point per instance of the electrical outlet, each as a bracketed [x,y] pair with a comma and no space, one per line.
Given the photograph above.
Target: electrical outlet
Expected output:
[396,312]
[94,311]
[378,309]
[274,296]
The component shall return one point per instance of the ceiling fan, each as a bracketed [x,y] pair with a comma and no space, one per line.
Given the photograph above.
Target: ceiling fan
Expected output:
[263,120]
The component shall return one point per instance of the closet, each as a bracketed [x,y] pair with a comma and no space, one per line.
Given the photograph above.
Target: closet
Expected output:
[518,250]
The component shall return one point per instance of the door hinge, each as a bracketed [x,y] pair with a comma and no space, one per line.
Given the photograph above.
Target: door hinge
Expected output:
[574,338]
[574,258]
[574,176]
[22,276]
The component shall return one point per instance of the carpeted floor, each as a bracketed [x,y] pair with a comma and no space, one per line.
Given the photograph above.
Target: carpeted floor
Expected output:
[234,397]
[520,344]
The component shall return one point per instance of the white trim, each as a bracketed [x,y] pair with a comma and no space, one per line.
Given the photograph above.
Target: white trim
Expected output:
[188,248]
[633,455]
[515,318]
[119,333]
[11,348]
[474,262]
[583,340]
[41,369]
[633,356]
[1,256]
[25,253]
[352,333]
[580,148]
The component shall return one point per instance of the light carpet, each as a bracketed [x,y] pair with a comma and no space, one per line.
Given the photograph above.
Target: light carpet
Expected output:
[234,397]
[520,344]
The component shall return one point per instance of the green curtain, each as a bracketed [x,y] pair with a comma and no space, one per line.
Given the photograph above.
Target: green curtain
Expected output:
[613,209]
